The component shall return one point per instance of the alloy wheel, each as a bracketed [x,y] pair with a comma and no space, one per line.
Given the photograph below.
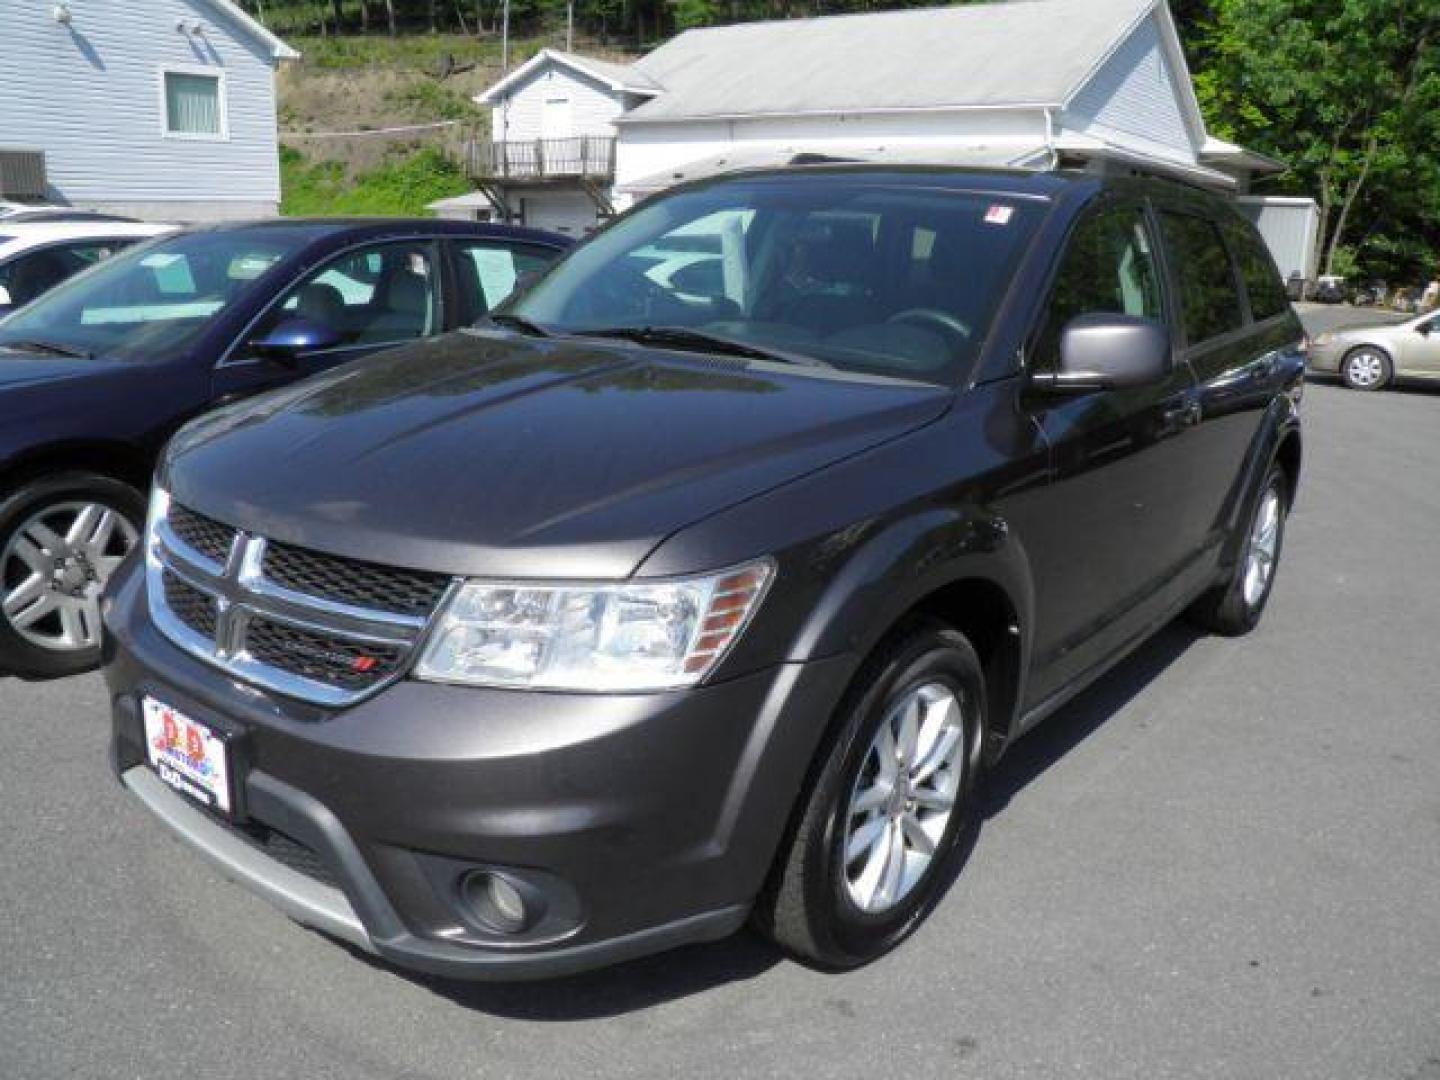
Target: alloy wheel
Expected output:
[902,801]
[1263,548]
[53,569]
[1365,369]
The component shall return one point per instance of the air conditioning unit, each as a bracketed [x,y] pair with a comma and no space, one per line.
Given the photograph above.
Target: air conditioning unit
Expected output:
[22,174]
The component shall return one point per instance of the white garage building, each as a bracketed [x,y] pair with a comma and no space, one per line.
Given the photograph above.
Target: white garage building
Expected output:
[1096,84]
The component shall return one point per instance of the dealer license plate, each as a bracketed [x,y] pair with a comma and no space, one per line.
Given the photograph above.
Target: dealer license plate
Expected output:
[187,755]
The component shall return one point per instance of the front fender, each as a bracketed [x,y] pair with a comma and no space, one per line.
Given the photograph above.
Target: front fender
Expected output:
[901,565]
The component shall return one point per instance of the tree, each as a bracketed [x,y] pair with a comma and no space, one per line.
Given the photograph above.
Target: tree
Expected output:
[1346,93]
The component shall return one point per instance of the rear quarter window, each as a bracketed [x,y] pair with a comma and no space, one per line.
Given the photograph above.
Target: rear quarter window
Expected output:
[1209,293]
[1262,280]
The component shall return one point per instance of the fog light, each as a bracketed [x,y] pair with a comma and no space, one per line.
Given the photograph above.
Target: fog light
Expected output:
[497,902]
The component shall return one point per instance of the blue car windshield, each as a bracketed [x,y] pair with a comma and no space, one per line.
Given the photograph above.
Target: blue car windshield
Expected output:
[845,270]
[153,298]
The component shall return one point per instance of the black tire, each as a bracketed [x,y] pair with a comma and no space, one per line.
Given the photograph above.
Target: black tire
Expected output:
[1226,609]
[807,907]
[1374,359]
[19,656]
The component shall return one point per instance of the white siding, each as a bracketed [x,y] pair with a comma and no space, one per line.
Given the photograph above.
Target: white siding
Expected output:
[646,149]
[593,104]
[90,96]
[1134,100]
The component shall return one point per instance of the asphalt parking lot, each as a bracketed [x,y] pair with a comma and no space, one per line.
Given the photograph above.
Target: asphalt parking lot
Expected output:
[1222,861]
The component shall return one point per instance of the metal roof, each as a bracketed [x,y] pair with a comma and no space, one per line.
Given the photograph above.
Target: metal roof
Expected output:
[996,55]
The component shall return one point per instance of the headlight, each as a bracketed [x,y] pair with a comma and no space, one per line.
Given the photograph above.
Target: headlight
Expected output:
[634,635]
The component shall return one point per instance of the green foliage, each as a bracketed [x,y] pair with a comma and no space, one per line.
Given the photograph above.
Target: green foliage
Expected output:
[408,52]
[433,100]
[1348,95]
[403,186]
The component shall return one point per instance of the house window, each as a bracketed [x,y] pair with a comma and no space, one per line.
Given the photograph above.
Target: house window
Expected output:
[194,104]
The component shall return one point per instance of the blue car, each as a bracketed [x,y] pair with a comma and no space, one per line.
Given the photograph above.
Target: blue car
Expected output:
[96,375]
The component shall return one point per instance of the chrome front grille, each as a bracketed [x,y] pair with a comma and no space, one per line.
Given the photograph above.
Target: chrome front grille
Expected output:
[313,626]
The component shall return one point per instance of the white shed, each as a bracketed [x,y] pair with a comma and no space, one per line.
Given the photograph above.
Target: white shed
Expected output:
[156,108]
[1291,228]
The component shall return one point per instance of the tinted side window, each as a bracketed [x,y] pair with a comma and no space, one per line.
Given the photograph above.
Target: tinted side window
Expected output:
[1262,280]
[489,270]
[370,296]
[1108,268]
[1209,294]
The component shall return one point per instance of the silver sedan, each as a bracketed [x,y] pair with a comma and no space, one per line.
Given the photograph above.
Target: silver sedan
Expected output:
[1371,357]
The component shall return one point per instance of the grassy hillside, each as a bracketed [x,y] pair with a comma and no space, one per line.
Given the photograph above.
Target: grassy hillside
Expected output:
[361,86]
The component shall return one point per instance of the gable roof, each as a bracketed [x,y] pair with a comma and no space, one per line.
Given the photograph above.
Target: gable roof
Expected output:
[237,15]
[1035,53]
[618,77]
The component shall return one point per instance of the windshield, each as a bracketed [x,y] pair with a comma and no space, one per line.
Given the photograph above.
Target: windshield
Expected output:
[860,275]
[151,298]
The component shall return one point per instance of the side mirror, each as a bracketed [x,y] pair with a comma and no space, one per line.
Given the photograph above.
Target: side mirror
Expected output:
[287,341]
[1108,352]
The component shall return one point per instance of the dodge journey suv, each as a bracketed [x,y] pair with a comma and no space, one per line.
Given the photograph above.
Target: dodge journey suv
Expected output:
[702,583]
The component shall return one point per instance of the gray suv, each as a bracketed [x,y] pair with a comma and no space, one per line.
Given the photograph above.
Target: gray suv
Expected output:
[661,602]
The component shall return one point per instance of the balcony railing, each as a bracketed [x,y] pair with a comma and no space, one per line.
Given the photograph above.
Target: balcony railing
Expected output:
[542,159]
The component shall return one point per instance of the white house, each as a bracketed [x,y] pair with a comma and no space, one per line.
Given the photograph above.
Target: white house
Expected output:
[156,108]
[1098,84]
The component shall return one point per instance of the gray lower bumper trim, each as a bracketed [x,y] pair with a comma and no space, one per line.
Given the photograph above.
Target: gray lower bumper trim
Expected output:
[304,900]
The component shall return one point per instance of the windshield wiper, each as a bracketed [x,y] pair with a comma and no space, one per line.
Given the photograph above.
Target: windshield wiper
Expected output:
[50,348]
[517,322]
[684,337]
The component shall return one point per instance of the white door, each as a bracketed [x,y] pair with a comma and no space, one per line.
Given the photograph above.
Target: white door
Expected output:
[555,119]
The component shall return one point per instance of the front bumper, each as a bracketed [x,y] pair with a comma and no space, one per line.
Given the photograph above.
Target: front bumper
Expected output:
[648,820]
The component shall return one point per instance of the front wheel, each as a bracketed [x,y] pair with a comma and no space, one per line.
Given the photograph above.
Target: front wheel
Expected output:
[880,829]
[61,539]
[1234,607]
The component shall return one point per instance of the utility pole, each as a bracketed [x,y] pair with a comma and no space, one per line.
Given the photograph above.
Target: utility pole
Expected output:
[505,39]
[569,25]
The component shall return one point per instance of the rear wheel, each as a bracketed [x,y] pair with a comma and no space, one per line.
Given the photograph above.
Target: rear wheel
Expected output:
[879,832]
[1234,607]
[61,539]
[1366,368]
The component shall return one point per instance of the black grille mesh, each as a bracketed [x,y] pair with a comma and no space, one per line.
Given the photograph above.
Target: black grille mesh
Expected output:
[289,852]
[202,533]
[300,858]
[350,581]
[321,657]
[190,606]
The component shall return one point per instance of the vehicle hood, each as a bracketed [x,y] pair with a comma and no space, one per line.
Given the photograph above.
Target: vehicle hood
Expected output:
[495,454]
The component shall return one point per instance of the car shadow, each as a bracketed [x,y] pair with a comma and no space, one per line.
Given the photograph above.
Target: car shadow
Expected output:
[1055,737]
[641,984]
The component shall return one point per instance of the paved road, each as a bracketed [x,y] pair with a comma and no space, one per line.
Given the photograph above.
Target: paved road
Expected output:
[1223,861]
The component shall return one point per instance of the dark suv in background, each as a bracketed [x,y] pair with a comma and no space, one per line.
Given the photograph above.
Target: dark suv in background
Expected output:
[97,374]
[704,581]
